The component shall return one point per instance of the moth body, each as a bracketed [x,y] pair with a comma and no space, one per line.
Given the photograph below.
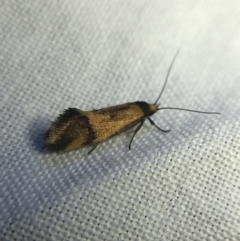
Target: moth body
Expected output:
[75,128]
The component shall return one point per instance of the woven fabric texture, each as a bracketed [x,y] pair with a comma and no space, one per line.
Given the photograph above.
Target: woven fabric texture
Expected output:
[89,54]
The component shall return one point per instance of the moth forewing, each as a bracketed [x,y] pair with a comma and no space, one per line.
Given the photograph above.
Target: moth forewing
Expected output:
[76,128]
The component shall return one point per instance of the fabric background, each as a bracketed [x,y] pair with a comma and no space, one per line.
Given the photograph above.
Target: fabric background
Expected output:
[89,54]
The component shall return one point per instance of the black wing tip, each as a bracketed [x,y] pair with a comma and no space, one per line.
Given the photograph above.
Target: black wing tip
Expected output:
[56,138]
[66,115]
[53,146]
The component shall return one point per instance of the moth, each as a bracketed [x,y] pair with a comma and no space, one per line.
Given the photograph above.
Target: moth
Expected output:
[75,128]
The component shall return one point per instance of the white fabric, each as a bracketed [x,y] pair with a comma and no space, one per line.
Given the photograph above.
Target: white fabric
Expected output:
[182,185]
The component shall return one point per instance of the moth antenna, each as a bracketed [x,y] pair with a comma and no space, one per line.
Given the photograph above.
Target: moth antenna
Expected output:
[196,111]
[166,79]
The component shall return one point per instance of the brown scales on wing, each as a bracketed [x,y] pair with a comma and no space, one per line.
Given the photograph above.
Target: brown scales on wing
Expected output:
[114,120]
[75,128]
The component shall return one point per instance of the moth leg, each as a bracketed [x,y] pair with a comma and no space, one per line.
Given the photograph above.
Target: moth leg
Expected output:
[93,149]
[135,132]
[152,123]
